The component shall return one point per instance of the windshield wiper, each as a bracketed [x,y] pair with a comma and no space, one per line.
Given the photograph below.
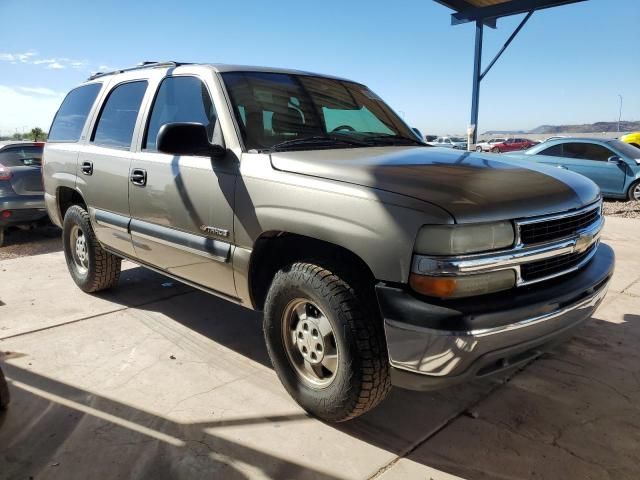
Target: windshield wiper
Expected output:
[317,140]
[383,139]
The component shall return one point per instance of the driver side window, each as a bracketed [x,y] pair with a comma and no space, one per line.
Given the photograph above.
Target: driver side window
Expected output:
[181,99]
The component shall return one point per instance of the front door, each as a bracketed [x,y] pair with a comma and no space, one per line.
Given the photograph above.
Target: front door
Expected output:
[182,206]
[591,160]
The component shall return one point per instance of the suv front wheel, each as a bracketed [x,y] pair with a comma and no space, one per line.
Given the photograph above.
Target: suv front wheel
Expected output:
[91,267]
[327,350]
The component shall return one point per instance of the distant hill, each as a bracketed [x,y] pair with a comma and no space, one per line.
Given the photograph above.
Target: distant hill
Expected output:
[598,127]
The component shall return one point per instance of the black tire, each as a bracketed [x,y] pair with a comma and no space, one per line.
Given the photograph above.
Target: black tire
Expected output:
[495,150]
[479,149]
[1,237]
[361,379]
[5,397]
[103,269]
[630,194]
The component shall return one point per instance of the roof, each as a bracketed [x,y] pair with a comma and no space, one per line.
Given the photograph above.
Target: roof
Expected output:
[488,11]
[218,67]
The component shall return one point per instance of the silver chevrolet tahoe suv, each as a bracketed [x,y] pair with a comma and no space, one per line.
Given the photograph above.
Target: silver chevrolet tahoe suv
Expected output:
[376,259]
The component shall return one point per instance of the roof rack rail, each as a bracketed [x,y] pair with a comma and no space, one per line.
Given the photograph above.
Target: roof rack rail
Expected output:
[140,66]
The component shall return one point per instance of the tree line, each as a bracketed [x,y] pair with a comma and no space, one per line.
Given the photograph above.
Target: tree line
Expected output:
[36,135]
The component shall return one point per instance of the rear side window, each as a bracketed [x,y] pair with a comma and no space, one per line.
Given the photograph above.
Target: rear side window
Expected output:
[118,116]
[587,151]
[72,114]
[180,99]
[21,156]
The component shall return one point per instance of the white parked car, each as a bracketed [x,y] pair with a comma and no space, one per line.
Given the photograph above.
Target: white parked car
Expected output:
[450,142]
[487,145]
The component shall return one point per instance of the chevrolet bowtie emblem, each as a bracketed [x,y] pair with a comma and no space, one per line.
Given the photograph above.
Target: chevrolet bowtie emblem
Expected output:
[583,242]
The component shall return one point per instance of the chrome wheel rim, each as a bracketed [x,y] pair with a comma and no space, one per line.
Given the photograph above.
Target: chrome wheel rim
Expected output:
[310,343]
[79,251]
[636,192]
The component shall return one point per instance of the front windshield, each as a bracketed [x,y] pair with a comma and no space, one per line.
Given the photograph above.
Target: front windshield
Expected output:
[626,149]
[276,109]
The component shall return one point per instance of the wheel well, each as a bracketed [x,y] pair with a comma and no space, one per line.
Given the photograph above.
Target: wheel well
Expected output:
[276,250]
[67,197]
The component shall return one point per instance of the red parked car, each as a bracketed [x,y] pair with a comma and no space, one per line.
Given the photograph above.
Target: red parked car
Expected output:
[513,144]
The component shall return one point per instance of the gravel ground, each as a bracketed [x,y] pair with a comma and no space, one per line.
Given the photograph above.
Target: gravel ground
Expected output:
[24,243]
[616,208]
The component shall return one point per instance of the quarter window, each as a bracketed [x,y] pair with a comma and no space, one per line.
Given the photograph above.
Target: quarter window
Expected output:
[69,121]
[180,99]
[118,117]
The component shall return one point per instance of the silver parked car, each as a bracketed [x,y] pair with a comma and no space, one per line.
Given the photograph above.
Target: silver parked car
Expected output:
[457,143]
[21,194]
[376,259]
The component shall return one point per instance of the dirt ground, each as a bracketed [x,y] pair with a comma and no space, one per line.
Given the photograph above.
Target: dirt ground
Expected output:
[617,208]
[24,243]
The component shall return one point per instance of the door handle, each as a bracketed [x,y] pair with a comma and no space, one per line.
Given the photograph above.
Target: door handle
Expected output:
[87,168]
[138,177]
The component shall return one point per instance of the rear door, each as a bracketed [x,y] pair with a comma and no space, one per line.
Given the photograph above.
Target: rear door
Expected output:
[182,216]
[103,164]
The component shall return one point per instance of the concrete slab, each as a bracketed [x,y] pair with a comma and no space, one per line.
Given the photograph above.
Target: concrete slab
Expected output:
[623,233]
[38,292]
[571,414]
[187,379]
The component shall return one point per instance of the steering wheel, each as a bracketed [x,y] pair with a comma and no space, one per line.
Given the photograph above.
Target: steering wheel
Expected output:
[348,128]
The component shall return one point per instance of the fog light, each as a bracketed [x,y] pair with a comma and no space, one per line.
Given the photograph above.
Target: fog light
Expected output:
[463,285]
[6,213]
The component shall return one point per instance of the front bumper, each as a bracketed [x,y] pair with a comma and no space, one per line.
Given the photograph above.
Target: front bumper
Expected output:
[435,343]
[24,209]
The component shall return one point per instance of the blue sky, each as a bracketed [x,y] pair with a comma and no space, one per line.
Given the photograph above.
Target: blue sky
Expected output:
[568,65]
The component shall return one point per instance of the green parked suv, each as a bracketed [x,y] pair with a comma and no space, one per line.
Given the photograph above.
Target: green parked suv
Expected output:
[376,259]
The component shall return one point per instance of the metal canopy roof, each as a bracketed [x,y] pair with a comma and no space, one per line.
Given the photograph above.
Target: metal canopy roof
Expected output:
[488,11]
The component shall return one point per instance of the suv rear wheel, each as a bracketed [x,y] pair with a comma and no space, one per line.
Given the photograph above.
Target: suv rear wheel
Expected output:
[91,267]
[326,346]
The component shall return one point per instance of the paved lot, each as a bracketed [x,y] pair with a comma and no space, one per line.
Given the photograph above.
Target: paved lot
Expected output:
[156,380]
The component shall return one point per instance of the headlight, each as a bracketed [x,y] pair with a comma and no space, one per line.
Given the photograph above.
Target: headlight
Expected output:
[464,239]
[463,285]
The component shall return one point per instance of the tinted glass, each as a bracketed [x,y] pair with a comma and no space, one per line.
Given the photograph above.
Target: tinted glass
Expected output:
[587,151]
[72,114]
[555,151]
[272,108]
[21,156]
[180,99]
[626,149]
[118,116]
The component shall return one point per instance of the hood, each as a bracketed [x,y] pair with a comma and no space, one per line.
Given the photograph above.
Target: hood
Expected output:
[472,187]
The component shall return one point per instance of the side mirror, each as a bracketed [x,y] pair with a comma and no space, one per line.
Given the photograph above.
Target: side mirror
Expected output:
[187,139]
[615,159]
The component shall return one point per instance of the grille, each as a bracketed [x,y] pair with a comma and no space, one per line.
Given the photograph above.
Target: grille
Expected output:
[546,231]
[553,266]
